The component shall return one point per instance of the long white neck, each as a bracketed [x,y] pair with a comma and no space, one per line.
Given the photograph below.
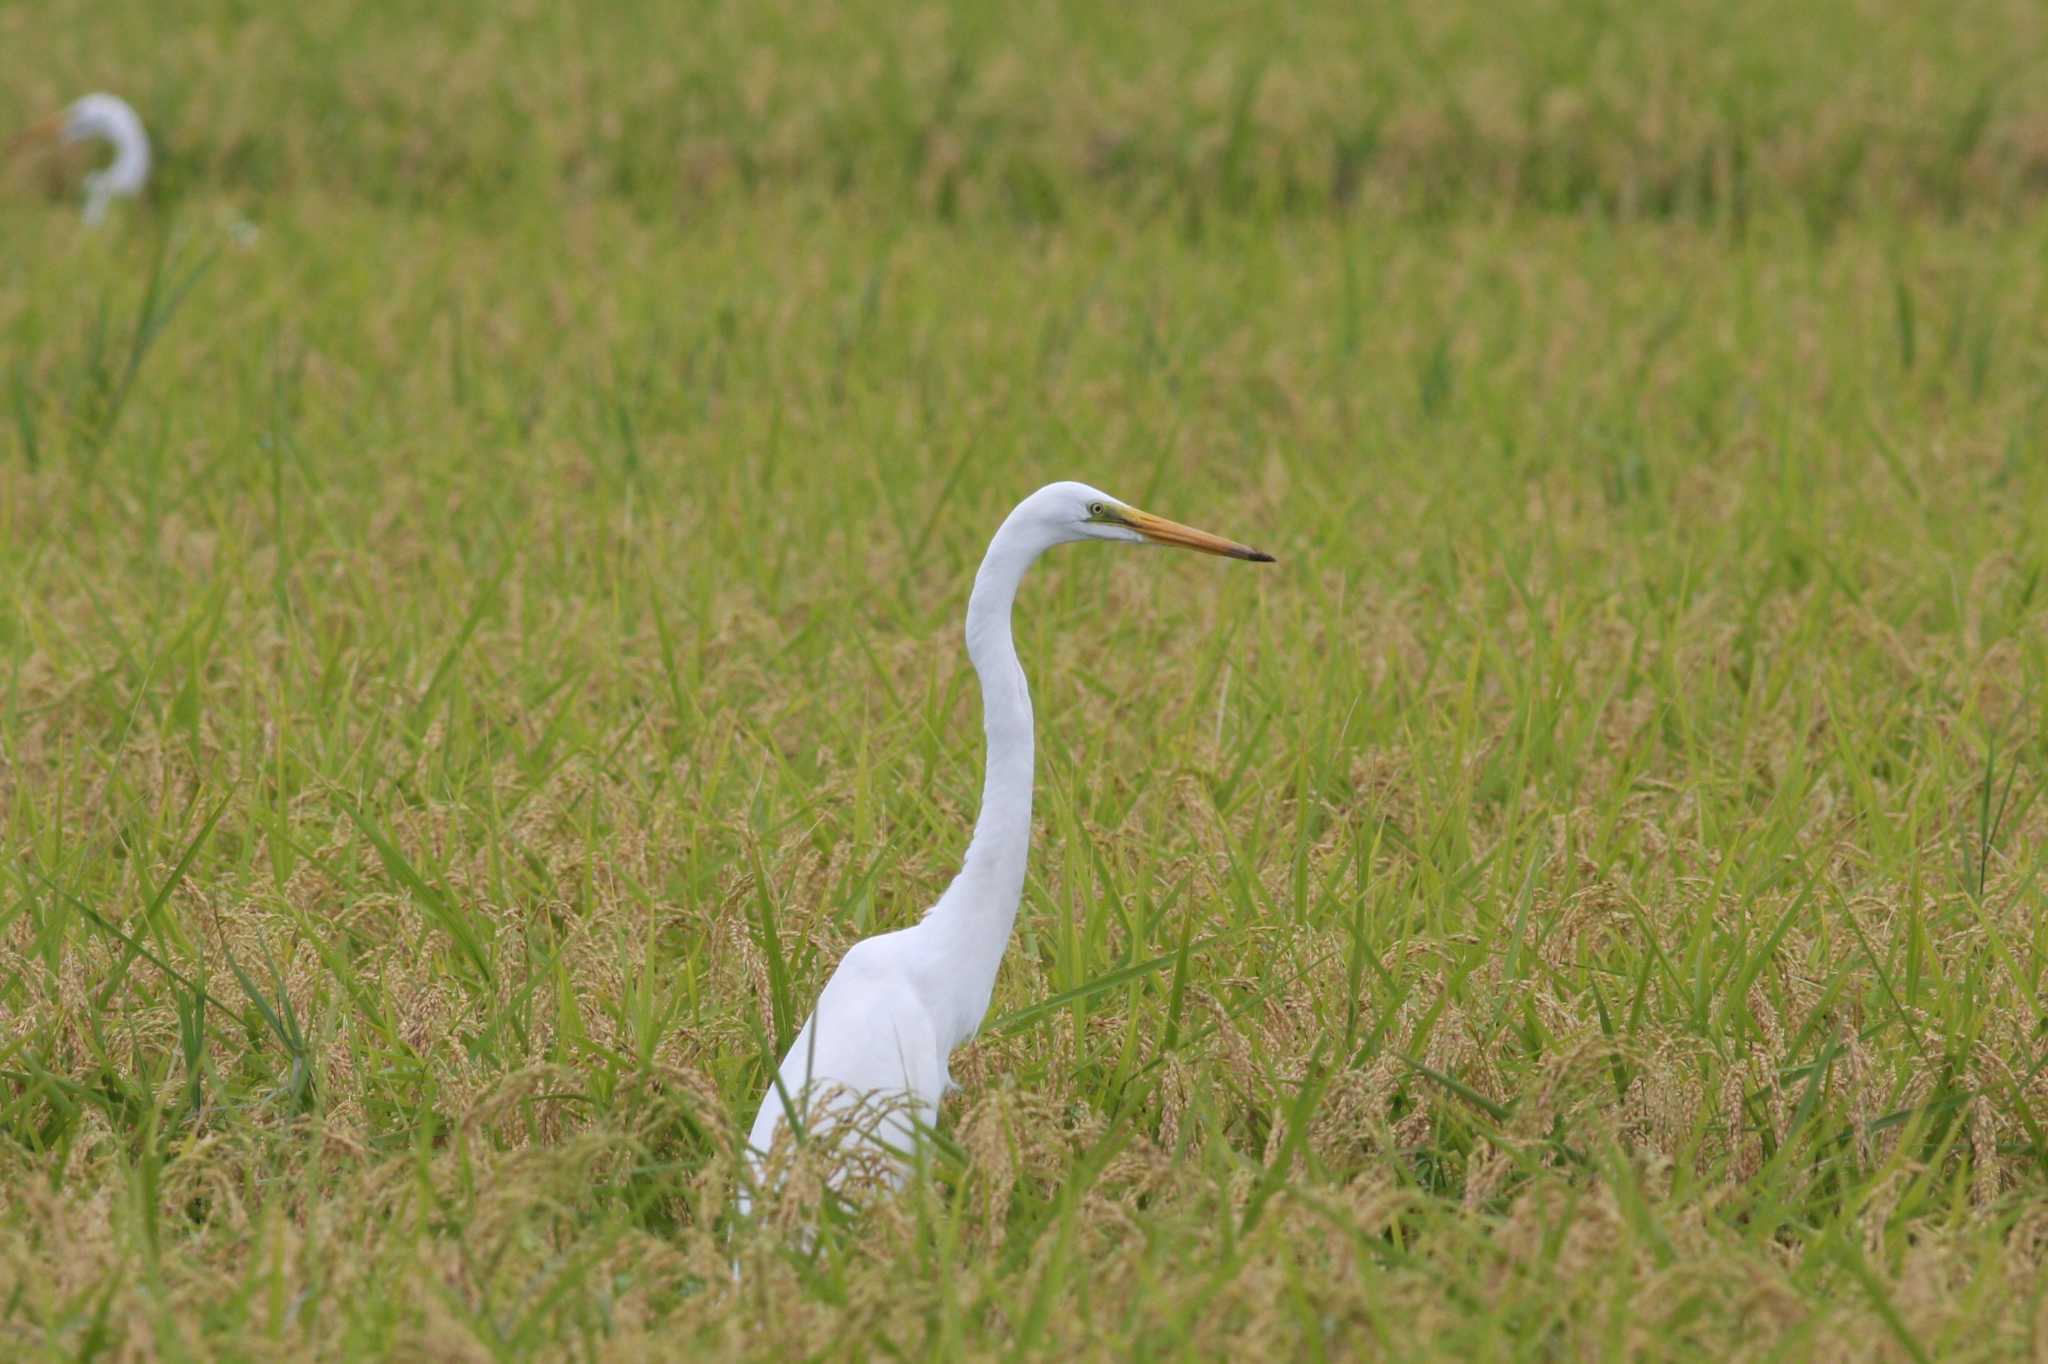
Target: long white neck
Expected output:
[125,175]
[970,925]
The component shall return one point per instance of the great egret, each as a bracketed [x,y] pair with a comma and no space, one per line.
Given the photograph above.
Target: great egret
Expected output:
[869,1065]
[107,118]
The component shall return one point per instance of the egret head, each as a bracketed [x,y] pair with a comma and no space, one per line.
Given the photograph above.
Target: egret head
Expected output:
[1075,511]
[98,117]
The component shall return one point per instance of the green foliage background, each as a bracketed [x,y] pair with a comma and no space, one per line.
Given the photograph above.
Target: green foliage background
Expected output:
[481,551]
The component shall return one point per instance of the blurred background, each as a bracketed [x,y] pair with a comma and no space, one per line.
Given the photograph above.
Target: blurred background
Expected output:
[1026,113]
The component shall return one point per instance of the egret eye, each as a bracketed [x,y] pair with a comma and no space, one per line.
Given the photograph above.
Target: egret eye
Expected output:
[1097,511]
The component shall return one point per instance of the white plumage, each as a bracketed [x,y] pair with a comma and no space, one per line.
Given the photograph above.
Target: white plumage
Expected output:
[110,119]
[869,1065]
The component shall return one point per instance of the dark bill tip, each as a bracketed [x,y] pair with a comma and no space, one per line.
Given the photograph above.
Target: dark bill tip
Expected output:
[1257,556]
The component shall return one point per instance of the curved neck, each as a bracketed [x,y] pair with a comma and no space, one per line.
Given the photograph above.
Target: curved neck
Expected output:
[130,165]
[974,917]
[124,175]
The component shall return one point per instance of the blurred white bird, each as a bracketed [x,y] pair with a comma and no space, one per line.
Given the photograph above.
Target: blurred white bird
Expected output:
[869,1065]
[109,119]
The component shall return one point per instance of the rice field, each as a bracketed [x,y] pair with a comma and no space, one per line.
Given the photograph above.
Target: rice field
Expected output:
[482,549]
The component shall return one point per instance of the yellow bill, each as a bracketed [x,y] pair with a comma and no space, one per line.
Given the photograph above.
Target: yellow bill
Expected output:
[43,130]
[1161,531]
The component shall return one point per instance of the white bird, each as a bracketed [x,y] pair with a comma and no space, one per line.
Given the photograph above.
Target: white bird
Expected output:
[869,1066]
[110,119]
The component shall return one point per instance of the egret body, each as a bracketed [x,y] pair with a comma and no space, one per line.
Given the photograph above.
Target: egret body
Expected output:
[869,1065]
